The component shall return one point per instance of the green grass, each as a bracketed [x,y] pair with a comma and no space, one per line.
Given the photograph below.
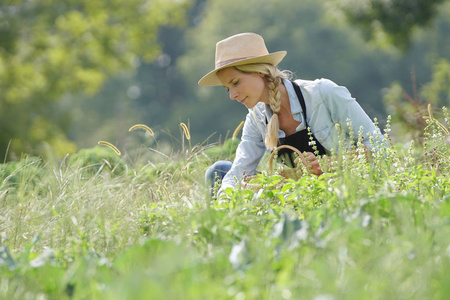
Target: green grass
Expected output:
[100,226]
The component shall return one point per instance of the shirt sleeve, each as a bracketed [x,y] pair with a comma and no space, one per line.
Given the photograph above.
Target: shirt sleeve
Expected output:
[345,110]
[248,154]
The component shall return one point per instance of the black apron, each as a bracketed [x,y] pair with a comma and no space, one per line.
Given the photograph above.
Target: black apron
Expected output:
[300,140]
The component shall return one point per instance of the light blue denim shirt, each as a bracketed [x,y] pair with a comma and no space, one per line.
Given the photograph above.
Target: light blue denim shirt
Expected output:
[327,104]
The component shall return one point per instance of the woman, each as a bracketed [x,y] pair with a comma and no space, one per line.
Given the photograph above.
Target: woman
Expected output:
[280,110]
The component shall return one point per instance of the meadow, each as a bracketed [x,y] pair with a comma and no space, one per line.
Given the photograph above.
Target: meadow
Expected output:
[141,225]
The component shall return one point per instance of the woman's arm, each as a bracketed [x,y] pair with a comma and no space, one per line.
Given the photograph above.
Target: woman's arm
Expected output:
[248,154]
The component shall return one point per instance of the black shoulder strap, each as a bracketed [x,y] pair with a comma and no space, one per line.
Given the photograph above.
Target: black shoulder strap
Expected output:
[300,99]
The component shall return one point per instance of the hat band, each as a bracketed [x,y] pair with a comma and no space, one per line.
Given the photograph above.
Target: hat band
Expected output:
[230,61]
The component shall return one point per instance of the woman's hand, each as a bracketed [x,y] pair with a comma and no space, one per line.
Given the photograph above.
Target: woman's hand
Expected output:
[313,163]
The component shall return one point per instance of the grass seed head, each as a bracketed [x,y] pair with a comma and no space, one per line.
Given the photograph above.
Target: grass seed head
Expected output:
[108,144]
[143,126]
[185,130]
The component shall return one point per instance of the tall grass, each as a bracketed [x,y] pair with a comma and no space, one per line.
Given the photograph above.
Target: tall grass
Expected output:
[101,226]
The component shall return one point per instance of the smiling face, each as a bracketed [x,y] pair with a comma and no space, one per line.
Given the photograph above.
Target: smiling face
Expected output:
[247,88]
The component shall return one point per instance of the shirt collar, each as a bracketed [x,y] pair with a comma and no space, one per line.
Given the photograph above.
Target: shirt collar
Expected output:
[293,99]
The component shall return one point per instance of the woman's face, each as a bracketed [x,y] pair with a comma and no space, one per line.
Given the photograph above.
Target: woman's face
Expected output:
[247,88]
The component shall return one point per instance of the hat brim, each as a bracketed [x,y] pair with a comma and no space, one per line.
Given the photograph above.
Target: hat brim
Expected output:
[211,79]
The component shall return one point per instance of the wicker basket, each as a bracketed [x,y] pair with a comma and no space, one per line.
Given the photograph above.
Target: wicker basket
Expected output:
[290,173]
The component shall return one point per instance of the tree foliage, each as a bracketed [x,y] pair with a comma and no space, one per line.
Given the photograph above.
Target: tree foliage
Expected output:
[56,57]
[51,48]
[391,21]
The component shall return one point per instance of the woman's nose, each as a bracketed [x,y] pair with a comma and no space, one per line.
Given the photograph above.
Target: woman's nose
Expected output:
[233,94]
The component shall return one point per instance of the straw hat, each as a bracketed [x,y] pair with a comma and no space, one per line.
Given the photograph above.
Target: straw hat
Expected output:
[240,49]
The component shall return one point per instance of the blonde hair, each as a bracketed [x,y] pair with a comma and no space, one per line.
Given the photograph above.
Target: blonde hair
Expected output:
[273,78]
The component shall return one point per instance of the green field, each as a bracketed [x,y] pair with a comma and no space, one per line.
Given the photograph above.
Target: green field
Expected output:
[96,225]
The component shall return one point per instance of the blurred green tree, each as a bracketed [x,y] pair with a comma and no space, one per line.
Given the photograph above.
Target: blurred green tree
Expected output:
[49,49]
[164,92]
[408,110]
[407,103]
[389,22]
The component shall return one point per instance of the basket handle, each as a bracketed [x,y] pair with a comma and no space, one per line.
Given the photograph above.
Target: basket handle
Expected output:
[300,155]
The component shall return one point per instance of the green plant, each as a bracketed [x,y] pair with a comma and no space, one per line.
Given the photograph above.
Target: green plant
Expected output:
[375,228]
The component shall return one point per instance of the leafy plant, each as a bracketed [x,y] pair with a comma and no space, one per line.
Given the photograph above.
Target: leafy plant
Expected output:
[367,227]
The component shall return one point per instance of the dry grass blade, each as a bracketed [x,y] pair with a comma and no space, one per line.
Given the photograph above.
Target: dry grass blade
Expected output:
[236,131]
[435,121]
